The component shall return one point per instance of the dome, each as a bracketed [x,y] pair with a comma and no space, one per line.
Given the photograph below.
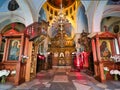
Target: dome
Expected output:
[57,3]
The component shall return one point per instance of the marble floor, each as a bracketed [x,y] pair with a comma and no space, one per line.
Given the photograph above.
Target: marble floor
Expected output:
[63,79]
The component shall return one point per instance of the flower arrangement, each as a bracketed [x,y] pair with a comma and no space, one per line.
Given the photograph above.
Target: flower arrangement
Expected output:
[24,58]
[106,69]
[115,73]
[115,58]
[13,72]
[3,75]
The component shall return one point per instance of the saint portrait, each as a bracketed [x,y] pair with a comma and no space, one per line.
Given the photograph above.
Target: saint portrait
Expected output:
[14,49]
[105,52]
[61,54]
[56,54]
[67,53]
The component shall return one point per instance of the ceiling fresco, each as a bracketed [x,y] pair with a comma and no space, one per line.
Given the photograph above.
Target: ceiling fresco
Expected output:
[27,12]
[57,3]
[13,5]
[42,15]
[55,29]
[8,5]
[113,2]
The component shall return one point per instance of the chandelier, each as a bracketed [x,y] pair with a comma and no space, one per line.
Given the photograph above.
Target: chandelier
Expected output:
[61,19]
[59,23]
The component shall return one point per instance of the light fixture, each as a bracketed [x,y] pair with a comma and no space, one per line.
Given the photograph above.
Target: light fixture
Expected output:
[60,18]
[59,23]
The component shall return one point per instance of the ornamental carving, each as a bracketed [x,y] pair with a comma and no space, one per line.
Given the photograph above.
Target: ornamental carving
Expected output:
[84,42]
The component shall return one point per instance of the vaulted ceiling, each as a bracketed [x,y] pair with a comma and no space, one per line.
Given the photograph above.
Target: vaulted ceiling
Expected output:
[28,11]
[57,3]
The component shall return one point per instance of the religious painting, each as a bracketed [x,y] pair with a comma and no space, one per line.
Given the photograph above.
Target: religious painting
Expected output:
[105,49]
[67,53]
[61,54]
[116,29]
[14,50]
[56,54]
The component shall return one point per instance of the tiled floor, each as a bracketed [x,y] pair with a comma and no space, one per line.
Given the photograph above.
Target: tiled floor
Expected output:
[47,80]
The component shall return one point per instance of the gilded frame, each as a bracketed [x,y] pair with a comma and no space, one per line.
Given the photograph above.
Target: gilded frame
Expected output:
[13,50]
[105,48]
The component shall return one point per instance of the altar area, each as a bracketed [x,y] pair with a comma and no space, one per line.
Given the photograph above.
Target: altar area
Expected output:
[61,50]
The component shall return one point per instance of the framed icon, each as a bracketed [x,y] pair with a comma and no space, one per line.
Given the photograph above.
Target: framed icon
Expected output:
[14,49]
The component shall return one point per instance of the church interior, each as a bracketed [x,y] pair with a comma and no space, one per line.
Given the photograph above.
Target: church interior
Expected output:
[60,40]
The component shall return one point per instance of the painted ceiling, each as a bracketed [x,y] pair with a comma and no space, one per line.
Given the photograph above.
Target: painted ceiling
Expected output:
[57,3]
[8,5]
[29,11]
[113,2]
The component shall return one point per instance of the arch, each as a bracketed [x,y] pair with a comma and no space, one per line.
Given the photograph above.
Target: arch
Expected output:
[86,3]
[98,16]
[81,20]
[9,26]
[90,7]
[7,20]
[27,12]
[94,12]
[112,13]
[41,4]
[42,15]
